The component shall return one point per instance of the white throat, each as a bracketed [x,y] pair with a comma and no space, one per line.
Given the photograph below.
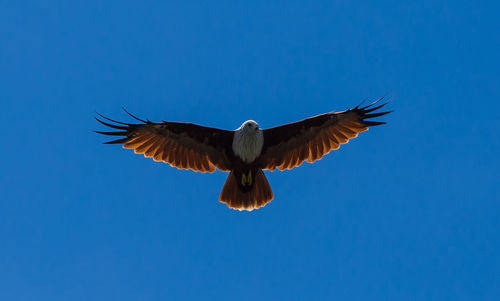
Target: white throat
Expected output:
[248,142]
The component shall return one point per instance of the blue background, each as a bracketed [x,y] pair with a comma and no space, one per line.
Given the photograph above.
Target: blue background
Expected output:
[406,211]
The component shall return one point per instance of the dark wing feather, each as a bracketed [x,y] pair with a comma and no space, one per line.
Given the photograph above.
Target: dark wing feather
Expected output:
[289,145]
[182,145]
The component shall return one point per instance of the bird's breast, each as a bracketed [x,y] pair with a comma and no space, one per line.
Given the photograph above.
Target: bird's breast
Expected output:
[248,146]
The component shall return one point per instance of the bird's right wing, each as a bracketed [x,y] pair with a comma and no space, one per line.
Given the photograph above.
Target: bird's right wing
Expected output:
[289,145]
[182,145]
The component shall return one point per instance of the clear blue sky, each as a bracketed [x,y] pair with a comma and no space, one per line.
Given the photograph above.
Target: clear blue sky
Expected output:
[406,211]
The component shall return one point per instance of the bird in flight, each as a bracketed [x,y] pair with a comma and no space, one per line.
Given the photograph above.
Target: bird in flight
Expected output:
[246,151]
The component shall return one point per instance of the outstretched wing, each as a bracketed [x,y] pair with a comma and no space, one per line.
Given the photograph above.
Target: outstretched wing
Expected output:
[289,145]
[182,145]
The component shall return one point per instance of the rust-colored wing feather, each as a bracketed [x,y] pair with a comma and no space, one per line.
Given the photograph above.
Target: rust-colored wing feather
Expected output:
[182,145]
[289,145]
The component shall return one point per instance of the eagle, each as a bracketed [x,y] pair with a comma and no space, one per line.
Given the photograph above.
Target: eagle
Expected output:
[246,151]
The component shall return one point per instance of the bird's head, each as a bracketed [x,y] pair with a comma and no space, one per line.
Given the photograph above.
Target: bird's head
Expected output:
[249,125]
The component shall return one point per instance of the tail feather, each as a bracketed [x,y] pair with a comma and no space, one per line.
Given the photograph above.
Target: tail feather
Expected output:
[257,197]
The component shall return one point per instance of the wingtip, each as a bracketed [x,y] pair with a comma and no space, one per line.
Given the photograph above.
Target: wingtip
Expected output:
[373,107]
[118,127]
[374,115]
[136,118]
[124,133]
[117,141]
[109,119]
[379,100]
[374,123]
[362,102]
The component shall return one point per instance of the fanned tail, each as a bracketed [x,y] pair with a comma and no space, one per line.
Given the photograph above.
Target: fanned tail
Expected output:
[257,197]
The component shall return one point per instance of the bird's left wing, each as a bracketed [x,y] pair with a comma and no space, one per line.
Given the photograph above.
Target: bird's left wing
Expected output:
[289,145]
[182,145]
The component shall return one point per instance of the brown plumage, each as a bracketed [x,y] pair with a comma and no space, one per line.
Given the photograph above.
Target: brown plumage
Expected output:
[205,149]
[310,139]
[182,145]
[236,198]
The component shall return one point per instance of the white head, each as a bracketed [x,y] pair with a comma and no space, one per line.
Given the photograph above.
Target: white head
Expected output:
[249,126]
[248,141]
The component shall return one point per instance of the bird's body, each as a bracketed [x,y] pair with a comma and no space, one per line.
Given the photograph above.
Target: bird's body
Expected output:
[246,181]
[246,151]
